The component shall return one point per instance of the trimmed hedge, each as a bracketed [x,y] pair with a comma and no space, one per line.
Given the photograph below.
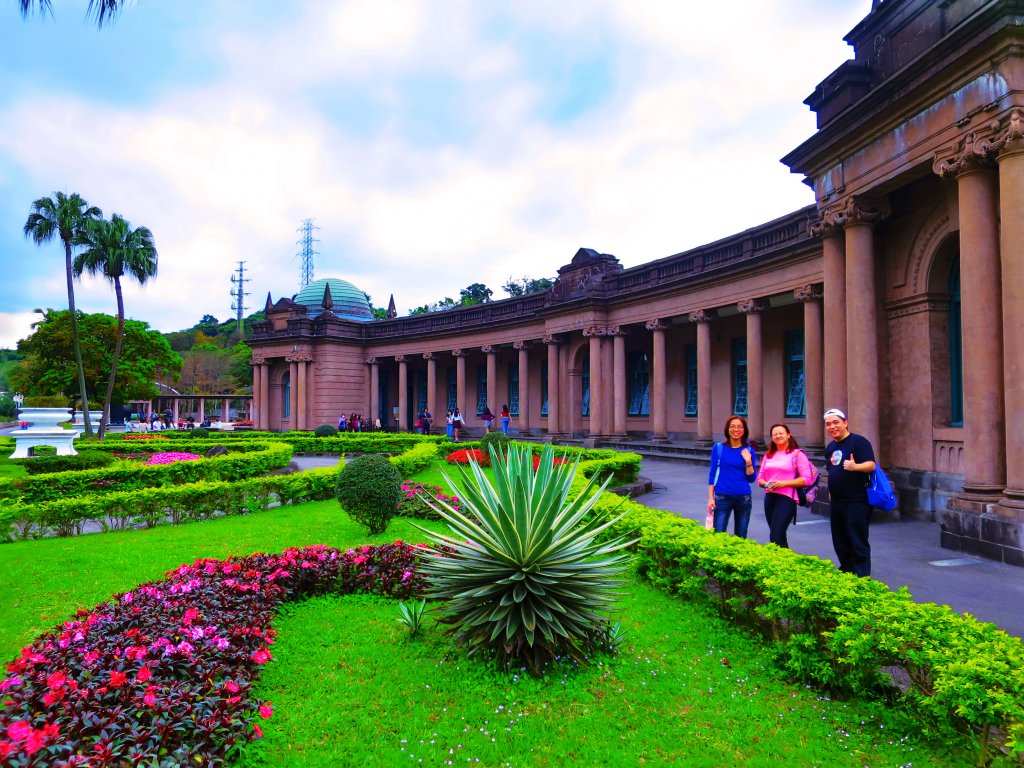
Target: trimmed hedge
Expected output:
[840,632]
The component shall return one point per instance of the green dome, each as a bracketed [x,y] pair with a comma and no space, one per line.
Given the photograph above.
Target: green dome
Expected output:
[346,300]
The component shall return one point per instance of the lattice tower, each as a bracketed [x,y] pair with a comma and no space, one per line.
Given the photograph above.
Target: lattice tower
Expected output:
[238,293]
[307,252]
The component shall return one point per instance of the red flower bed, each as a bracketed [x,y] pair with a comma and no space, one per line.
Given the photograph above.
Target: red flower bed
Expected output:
[143,437]
[536,462]
[164,672]
[469,454]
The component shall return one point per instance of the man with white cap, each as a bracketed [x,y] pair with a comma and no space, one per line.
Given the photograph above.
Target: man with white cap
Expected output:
[850,460]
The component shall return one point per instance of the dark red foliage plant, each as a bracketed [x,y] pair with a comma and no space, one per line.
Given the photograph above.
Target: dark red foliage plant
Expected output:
[163,674]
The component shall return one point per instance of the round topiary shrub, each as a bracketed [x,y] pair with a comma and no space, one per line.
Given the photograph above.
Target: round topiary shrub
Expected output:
[370,490]
[199,432]
[499,440]
[325,430]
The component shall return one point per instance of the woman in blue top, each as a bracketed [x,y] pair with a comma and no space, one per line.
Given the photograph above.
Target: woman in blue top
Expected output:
[733,469]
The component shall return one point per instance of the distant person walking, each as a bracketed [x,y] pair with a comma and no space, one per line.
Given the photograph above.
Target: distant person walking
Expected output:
[733,468]
[506,417]
[849,460]
[457,423]
[784,469]
[449,424]
[488,419]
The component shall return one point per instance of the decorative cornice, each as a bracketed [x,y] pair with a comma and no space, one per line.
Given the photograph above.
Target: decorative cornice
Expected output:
[656,325]
[915,305]
[807,293]
[702,316]
[750,306]
[520,345]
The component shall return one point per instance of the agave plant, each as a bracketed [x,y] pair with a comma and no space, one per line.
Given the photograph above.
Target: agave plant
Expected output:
[524,574]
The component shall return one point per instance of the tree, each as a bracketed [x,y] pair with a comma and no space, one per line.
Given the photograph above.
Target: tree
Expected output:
[65,216]
[48,370]
[103,10]
[207,370]
[113,249]
[477,293]
[526,285]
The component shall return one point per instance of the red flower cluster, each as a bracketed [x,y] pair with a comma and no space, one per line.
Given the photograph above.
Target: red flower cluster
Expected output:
[536,462]
[144,437]
[469,454]
[164,672]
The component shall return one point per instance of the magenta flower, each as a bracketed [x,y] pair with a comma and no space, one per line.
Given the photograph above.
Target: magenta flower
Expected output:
[266,711]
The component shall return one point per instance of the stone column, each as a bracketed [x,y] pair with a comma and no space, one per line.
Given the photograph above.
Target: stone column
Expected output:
[431,359]
[813,399]
[460,379]
[258,364]
[595,334]
[293,393]
[659,381]
[523,347]
[619,399]
[1011,242]
[860,216]
[301,394]
[752,308]
[980,301]
[265,396]
[833,260]
[225,410]
[554,374]
[703,320]
[403,394]
[374,397]
[492,375]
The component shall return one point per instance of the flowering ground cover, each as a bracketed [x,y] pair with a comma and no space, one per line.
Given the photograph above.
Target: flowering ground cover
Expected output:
[169,457]
[466,455]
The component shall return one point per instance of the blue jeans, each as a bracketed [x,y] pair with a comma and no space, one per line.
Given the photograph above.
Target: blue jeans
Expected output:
[504,424]
[739,506]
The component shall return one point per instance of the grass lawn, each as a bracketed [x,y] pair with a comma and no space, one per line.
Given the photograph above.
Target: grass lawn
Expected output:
[349,689]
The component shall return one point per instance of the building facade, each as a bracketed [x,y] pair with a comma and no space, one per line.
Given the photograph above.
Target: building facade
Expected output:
[896,296]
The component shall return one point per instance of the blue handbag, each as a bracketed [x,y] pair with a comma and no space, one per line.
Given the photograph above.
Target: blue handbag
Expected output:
[880,493]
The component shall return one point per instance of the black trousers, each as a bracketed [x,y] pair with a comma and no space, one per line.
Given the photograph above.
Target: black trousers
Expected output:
[780,511]
[850,523]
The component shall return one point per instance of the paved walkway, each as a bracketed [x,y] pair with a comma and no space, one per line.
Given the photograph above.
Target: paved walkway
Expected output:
[903,553]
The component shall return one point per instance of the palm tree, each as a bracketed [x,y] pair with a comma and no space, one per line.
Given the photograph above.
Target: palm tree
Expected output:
[65,216]
[113,249]
[103,10]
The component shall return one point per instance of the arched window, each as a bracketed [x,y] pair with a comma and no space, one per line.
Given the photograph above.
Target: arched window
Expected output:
[286,393]
[956,363]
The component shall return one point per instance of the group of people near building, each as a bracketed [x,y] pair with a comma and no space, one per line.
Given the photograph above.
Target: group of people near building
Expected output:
[354,422]
[158,422]
[786,471]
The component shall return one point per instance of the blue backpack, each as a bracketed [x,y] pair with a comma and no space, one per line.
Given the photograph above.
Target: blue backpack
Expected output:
[880,493]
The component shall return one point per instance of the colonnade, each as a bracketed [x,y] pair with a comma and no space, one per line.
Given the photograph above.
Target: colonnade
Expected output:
[989,176]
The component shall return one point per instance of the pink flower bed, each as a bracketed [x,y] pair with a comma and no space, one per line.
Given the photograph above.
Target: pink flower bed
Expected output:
[164,673]
[169,457]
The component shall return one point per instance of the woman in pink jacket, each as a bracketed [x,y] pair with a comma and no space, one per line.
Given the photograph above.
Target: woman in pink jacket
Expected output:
[784,469]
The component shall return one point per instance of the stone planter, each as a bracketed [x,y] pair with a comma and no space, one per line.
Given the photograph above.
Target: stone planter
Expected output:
[44,418]
[94,419]
[43,430]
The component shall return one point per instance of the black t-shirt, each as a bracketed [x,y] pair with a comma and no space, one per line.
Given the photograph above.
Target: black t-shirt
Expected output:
[844,485]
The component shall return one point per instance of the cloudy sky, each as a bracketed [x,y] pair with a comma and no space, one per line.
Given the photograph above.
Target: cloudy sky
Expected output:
[436,144]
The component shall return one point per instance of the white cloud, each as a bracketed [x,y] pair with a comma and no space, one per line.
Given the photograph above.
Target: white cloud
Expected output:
[683,151]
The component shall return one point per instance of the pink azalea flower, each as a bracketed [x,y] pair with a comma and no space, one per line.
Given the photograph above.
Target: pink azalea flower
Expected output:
[266,711]
[144,674]
[18,731]
[259,731]
[117,679]
[262,656]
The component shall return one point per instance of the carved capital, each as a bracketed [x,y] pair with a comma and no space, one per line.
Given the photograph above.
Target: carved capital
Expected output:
[371,361]
[488,349]
[656,325]
[862,210]
[702,316]
[258,360]
[429,355]
[458,353]
[826,226]
[401,359]
[807,293]
[595,330]
[552,339]
[1012,137]
[977,152]
[521,345]
[750,306]
[614,330]
[300,357]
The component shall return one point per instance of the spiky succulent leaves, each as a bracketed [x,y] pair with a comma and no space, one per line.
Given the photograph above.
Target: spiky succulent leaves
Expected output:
[523,572]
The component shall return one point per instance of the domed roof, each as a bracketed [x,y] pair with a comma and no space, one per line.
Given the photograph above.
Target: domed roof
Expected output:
[346,301]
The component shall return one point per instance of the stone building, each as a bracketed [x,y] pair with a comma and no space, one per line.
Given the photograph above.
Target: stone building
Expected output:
[898,295]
